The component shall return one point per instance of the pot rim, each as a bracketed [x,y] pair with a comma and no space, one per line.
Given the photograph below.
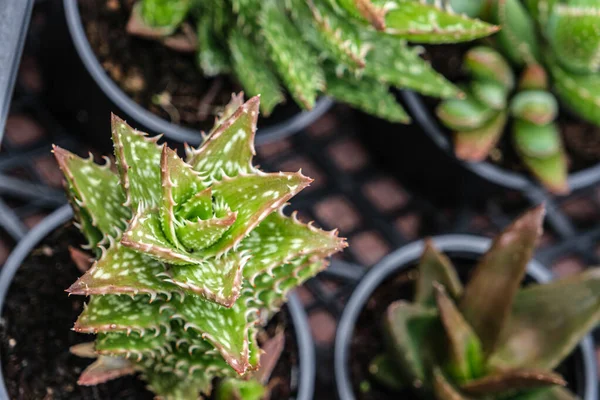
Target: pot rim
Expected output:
[306,352]
[400,259]
[500,176]
[157,124]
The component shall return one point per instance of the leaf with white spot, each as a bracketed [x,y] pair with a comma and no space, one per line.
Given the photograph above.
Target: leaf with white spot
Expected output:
[230,148]
[138,159]
[280,239]
[179,183]
[271,288]
[215,279]
[296,62]
[145,235]
[393,62]
[228,329]
[121,313]
[121,270]
[95,190]
[253,197]
[420,22]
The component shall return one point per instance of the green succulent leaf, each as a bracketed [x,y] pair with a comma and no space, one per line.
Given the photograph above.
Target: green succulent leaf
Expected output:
[365,10]
[541,150]
[434,267]
[228,329]
[230,147]
[165,13]
[580,93]
[475,145]
[138,159]
[464,114]
[488,297]
[394,63]
[295,61]
[517,38]
[487,64]
[511,381]
[420,22]
[211,57]
[125,271]
[254,197]
[409,328]
[536,106]
[279,240]
[253,70]
[574,34]
[465,360]
[236,389]
[95,191]
[368,95]
[121,313]
[215,279]
[179,182]
[542,331]
[333,35]
[491,94]
[132,345]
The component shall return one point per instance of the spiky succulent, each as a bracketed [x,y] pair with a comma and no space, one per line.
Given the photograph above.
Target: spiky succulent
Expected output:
[352,50]
[492,339]
[479,119]
[193,256]
[560,37]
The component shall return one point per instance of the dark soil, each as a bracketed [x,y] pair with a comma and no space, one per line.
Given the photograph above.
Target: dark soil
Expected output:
[36,334]
[581,138]
[368,338]
[164,81]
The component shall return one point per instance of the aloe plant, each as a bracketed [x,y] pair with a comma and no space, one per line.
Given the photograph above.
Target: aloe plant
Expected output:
[193,256]
[352,50]
[492,338]
[479,120]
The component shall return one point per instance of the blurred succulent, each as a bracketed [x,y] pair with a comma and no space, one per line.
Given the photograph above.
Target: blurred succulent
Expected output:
[352,50]
[492,339]
[563,35]
[192,256]
[479,120]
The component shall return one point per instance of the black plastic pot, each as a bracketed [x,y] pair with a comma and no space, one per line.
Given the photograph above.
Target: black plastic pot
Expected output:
[82,91]
[306,352]
[406,257]
[496,175]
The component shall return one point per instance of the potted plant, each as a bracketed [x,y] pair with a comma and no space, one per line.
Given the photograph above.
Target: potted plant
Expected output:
[193,259]
[350,51]
[531,102]
[419,327]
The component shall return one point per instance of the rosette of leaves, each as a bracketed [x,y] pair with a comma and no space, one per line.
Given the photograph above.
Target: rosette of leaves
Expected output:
[351,50]
[193,256]
[479,119]
[493,338]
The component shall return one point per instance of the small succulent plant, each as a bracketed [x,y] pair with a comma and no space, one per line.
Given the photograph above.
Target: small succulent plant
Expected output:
[352,50]
[479,119]
[559,38]
[492,339]
[193,257]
